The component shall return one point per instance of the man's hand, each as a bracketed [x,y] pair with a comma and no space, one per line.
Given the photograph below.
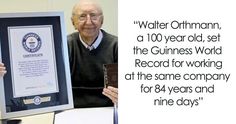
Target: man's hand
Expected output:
[2,69]
[112,93]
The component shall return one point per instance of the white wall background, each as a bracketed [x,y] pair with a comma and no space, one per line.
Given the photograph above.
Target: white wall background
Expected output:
[109,10]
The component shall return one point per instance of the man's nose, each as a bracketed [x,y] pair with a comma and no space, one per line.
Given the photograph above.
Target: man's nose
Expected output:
[88,20]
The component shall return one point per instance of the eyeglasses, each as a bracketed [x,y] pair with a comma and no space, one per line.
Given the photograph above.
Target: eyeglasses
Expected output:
[93,17]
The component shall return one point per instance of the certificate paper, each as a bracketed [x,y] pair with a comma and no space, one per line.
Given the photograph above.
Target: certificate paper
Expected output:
[32,58]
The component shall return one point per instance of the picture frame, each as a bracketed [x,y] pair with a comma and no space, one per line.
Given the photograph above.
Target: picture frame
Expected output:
[33,48]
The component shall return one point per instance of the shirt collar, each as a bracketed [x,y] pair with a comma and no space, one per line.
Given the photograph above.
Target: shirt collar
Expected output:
[95,43]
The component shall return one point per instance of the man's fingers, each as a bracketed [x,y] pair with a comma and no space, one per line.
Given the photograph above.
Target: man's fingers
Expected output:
[112,94]
[114,99]
[113,89]
[2,73]
[2,69]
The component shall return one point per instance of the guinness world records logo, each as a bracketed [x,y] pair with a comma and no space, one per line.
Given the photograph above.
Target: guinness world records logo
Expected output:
[31,42]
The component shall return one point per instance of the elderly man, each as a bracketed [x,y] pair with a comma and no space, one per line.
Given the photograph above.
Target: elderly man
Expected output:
[89,49]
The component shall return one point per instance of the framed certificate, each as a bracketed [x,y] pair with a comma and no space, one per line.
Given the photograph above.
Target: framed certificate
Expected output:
[33,48]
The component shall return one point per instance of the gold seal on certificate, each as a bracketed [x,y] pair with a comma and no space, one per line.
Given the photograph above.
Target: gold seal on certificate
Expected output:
[37,100]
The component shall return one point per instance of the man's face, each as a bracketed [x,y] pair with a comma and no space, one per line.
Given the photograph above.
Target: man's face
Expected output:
[88,20]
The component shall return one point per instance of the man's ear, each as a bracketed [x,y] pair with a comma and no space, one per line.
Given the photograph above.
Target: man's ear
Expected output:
[73,23]
[102,19]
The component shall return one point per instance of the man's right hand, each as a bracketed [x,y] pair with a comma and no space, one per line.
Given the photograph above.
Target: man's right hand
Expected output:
[2,69]
[112,93]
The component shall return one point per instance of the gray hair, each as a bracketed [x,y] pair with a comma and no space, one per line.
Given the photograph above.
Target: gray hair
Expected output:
[81,2]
